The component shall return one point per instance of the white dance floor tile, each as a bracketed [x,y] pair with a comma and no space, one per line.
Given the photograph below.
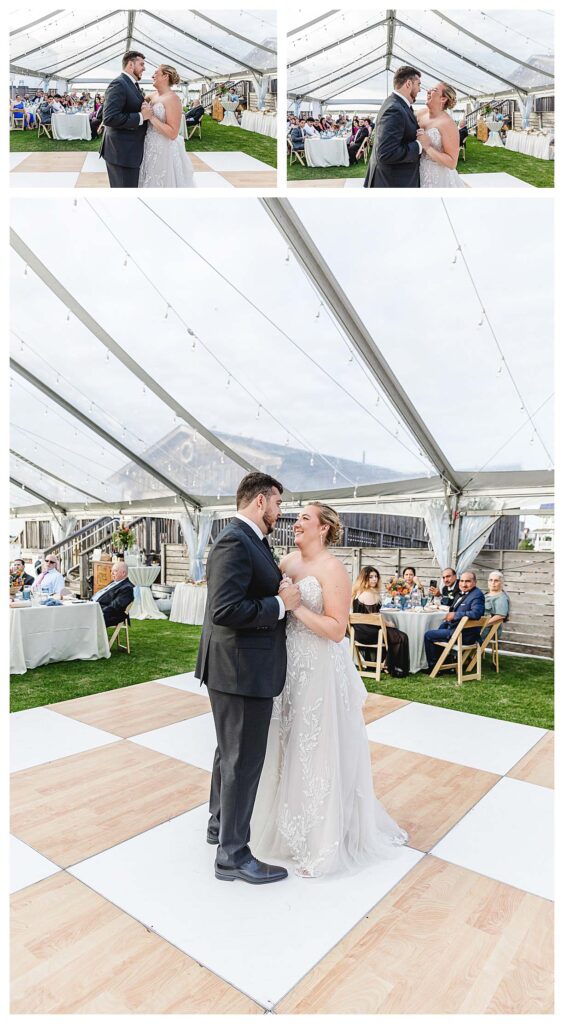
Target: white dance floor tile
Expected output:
[233,162]
[93,164]
[471,740]
[27,866]
[354,183]
[507,836]
[185,681]
[16,158]
[192,741]
[210,179]
[40,735]
[496,179]
[51,179]
[261,939]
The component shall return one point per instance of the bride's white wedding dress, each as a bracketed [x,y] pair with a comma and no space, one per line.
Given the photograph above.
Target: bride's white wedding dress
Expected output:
[433,175]
[166,163]
[315,802]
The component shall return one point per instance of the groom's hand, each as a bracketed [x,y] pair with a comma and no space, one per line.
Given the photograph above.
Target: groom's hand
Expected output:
[291,597]
[424,139]
[146,110]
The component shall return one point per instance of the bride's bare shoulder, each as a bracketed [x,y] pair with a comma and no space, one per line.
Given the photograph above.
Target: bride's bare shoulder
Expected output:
[333,572]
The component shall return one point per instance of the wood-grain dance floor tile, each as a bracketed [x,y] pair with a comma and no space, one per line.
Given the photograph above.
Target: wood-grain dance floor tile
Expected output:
[78,806]
[538,765]
[134,709]
[46,162]
[445,940]
[73,952]
[378,704]
[424,795]
[250,179]
[93,179]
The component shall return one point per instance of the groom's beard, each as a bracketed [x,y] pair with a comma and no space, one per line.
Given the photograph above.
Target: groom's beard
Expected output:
[269,526]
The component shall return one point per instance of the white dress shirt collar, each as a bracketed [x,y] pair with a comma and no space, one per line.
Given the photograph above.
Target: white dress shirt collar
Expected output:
[402,97]
[131,78]
[256,529]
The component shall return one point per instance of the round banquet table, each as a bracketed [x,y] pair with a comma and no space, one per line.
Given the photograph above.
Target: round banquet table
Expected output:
[71,126]
[188,604]
[256,121]
[40,635]
[415,624]
[326,152]
[531,144]
[229,108]
[144,607]
[494,138]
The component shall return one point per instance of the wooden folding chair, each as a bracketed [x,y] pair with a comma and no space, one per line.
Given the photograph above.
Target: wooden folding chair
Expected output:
[462,151]
[195,128]
[363,151]
[45,128]
[371,669]
[459,653]
[296,153]
[490,640]
[17,121]
[117,631]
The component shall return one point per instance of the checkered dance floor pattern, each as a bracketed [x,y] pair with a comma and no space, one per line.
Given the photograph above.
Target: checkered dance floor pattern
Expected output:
[115,908]
[88,170]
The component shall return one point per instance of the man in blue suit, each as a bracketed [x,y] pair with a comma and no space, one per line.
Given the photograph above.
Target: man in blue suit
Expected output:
[470,602]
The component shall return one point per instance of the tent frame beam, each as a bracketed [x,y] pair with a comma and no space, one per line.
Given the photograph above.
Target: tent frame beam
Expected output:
[36,494]
[491,46]
[331,292]
[314,21]
[202,42]
[303,90]
[84,60]
[130,27]
[72,32]
[391,16]
[47,472]
[17,69]
[38,21]
[166,52]
[331,46]
[230,32]
[96,429]
[86,54]
[92,325]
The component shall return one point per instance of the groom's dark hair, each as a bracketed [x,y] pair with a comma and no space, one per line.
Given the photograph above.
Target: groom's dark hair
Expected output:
[130,55]
[253,484]
[403,75]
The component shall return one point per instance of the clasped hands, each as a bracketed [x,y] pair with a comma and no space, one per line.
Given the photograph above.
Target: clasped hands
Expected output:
[290,594]
[146,111]
[423,138]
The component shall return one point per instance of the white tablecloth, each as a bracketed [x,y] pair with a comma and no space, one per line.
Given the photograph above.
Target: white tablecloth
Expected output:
[326,153]
[256,121]
[41,635]
[188,604]
[70,126]
[494,138]
[530,145]
[144,607]
[415,624]
[229,119]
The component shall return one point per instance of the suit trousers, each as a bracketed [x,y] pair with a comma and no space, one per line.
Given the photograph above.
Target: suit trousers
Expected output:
[122,177]
[241,725]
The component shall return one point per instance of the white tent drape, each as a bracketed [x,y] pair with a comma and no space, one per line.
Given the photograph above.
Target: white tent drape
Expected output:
[196,541]
[526,108]
[62,527]
[437,523]
[261,89]
[474,532]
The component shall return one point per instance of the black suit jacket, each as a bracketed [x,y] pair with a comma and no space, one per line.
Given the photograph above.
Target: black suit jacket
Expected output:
[448,597]
[360,136]
[394,162]
[114,602]
[124,137]
[243,643]
[195,114]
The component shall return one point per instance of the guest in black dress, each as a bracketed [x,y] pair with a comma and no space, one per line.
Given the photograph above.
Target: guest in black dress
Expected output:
[367,599]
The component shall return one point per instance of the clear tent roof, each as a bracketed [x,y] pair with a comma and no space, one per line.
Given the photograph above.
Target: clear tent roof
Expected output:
[333,53]
[123,391]
[77,45]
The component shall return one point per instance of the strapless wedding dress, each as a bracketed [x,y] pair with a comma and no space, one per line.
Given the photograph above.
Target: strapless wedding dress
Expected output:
[166,163]
[433,175]
[315,803]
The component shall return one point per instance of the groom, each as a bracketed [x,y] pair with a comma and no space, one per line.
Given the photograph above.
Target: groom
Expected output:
[394,162]
[125,123]
[242,661]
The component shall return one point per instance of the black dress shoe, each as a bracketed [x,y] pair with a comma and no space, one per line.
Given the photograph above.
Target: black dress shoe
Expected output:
[253,871]
[212,837]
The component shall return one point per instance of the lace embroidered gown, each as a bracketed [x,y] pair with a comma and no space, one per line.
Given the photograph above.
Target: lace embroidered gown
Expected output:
[166,163]
[315,802]
[433,175]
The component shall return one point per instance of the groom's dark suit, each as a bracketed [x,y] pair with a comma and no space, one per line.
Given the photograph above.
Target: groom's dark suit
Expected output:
[124,135]
[242,660]
[394,162]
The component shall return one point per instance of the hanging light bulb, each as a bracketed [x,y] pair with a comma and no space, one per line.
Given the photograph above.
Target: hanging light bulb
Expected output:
[21,345]
[532,441]
[228,382]
[166,312]
[222,459]
[125,262]
[287,441]
[190,331]
[287,257]
[481,320]
[68,317]
[258,411]
[350,359]
[194,345]
[500,368]
[25,270]
[75,202]
[107,355]
[334,478]
[454,258]
[355,491]
[312,460]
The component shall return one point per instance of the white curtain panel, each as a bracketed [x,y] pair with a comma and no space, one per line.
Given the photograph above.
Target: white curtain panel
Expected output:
[261,89]
[526,108]
[474,532]
[196,541]
[62,527]
[437,523]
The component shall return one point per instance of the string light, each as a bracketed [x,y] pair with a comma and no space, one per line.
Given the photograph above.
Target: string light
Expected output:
[312,460]
[228,382]
[287,257]
[258,411]
[25,270]
[166,312]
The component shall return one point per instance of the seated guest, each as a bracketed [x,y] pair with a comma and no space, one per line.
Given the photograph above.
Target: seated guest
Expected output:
[19,578]
[355,127]
[470,602]
[297,135]
[413,584]
[449,590]
[96,122]
[362,134]
[44,111]
[19,112]
[367,599]
[195,113]
[115,598]
[309,127]
[462,131]
[50,579]
[497,601]
[57,106]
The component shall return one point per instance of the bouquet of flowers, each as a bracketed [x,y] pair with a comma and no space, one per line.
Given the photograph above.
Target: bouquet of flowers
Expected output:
[123,538]
[397,587]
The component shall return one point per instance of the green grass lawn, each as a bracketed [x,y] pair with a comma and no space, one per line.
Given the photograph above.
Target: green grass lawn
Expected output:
[214,139]
[480,159]
[522,692]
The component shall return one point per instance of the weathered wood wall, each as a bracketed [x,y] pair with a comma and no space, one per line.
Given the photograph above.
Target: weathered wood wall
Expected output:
[529,582]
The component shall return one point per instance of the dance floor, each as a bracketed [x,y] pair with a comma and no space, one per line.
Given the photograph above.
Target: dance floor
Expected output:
[88,170]
[115,908]
[498,179]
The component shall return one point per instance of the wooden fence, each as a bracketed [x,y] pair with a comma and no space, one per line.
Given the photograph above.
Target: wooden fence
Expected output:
[528,575]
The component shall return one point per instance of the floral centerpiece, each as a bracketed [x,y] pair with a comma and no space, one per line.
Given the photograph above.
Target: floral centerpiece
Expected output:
[123,538]
[397,587]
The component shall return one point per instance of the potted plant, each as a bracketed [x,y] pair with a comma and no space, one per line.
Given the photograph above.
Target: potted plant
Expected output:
[123,538]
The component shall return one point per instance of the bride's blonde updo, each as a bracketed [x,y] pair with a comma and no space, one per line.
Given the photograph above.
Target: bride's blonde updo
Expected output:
[171,73]
[450,94]
[328,517]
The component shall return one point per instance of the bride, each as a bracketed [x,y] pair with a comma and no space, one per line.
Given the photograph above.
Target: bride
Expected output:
[438,161]
[166,163]
[315,802]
